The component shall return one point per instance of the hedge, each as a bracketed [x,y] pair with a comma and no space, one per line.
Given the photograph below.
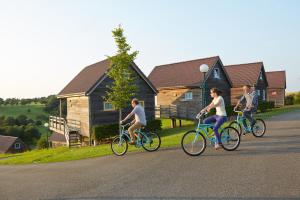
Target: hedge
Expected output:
[100,132]
[265,105]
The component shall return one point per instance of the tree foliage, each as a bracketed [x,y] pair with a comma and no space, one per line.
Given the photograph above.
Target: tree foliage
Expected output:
[123,88]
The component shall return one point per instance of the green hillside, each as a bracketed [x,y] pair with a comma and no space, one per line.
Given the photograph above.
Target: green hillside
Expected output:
[31,111]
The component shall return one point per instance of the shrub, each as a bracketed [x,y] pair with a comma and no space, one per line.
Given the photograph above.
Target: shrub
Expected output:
[100,132]
[42,143]
[42,117]
[105,131]
[38,122]
[297,98]
[154,125]
[263,106]
[289,99]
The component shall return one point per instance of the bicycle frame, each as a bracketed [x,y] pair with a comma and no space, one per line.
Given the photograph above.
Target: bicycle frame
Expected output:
[139,132]
[202,127]
[240,118]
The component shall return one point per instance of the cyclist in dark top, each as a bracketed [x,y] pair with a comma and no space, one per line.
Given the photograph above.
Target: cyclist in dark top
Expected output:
[251,99]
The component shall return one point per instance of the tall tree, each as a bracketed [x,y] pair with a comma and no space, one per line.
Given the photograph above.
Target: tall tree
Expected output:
[123,88]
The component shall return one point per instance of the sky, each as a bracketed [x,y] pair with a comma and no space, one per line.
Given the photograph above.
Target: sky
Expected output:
[45,43]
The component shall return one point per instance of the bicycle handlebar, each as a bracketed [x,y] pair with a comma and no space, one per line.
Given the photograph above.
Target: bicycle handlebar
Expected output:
[199,115]
[128,124]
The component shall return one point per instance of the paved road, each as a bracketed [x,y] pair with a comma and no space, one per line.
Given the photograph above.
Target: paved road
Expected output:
[265,168]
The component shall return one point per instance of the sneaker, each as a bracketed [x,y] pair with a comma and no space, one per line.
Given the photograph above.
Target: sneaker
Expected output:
[218,146]
[132,143]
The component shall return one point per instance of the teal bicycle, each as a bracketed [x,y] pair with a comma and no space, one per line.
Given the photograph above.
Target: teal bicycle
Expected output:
[148,140]
[193,142]
[258,129]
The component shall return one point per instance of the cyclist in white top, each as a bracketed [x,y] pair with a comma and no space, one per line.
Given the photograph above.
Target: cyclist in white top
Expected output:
[139,119]
[220,117]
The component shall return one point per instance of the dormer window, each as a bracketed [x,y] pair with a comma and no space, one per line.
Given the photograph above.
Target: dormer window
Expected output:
[260,76]
[17,146]
[217,73]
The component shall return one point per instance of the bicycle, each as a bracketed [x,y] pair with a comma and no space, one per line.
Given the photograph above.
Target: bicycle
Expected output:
[148,140]
[258,129]
[193,142]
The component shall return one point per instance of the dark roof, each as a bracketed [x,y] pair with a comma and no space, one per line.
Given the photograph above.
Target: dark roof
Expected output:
[244,74]
[57,137]
[181,74]
[90,76]
[6,142]
[276,79]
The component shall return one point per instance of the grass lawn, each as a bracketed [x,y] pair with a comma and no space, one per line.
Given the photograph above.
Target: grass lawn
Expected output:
[15,110]
[170,137]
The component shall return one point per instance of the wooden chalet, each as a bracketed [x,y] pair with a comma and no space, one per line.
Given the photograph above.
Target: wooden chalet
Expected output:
[86,106]
[9,144]
[277,86]
[252,74]
[180,85]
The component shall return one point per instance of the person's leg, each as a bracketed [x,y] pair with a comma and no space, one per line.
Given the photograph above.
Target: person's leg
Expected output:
[250,118]
[132,128]
[219,121]
[246,116]
[210,120]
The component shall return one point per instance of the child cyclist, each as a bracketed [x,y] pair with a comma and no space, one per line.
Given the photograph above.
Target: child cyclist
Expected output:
[219,118]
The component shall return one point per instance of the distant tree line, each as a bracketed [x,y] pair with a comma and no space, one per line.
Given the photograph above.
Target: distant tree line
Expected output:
[51,103]
[23,101]
[21,127]
[292,98]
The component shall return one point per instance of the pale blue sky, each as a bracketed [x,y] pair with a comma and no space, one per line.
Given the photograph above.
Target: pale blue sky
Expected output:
[44,44]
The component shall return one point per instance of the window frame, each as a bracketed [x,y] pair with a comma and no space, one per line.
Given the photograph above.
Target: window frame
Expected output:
[142,102]
[260,76]
[264,95]
[189,97]
[216,73]
[258,92]
[19,145]
[104,108]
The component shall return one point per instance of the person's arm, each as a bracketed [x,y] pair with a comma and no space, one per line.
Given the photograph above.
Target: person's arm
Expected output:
[254,100]
[129,115]
[239,101]
[132,122]
[207,108]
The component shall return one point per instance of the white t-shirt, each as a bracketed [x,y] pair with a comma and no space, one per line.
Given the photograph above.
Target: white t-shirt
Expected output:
[220,110]
[139,114]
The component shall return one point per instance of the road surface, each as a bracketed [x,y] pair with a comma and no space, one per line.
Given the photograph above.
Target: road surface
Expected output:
[262,168]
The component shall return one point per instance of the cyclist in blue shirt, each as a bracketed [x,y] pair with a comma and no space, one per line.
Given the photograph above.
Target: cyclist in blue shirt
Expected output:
[251,99]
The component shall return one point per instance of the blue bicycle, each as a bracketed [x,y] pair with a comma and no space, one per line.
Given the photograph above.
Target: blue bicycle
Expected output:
[148,140]
[193,142]
[258,129]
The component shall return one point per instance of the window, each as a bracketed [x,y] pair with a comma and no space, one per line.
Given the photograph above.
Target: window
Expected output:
[17,146]
[188,96]
[107,106]
[260,76]
[258,92]
[217,73]
[142,103]
[264,95]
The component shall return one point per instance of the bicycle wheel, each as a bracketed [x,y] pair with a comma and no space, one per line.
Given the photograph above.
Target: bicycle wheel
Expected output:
[193,143]
[151,142]
[230,138]
[237,126]
[259,128]
[119,147]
